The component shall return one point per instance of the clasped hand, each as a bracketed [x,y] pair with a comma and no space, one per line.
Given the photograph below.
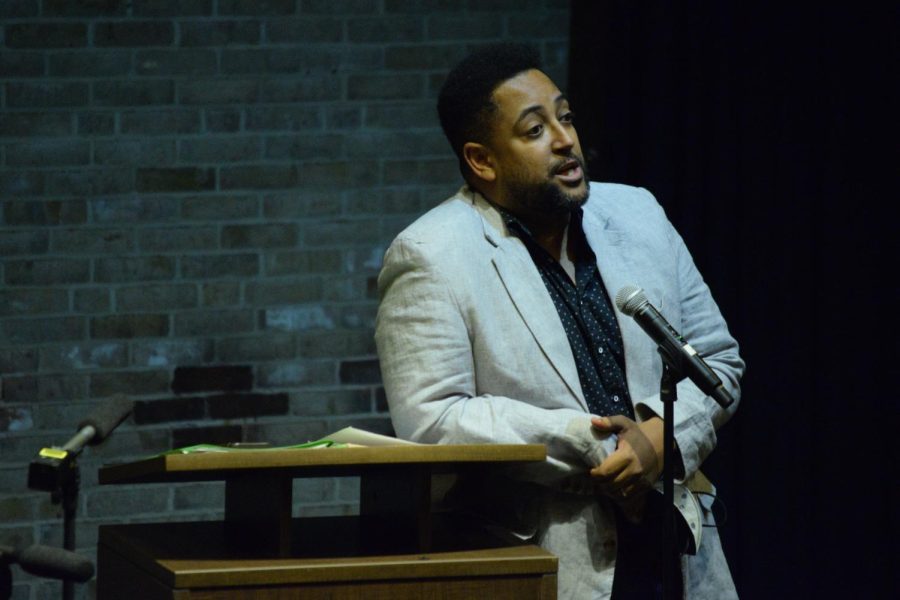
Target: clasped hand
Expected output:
[636,464]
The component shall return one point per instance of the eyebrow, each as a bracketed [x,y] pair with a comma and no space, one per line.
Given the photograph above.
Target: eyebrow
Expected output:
[537,107]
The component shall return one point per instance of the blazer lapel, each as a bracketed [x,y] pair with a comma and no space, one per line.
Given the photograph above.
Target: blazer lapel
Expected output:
[530,298]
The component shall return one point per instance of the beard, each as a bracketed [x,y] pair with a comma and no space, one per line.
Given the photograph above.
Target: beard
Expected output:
[546,196]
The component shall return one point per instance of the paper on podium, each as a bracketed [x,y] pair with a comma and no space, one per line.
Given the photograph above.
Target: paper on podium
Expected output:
[359,437]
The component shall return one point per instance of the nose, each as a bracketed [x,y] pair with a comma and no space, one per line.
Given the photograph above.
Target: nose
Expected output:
[563,138]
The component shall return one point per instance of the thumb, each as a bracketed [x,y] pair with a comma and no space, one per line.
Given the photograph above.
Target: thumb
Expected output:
[606,424]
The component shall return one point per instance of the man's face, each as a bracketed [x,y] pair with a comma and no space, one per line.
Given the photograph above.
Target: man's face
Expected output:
[537,157]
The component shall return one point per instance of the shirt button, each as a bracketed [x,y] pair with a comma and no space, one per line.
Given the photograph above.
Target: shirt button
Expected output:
[616,398]
[600,349]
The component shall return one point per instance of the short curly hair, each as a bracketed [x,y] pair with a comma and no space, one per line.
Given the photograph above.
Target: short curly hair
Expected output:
[465,101]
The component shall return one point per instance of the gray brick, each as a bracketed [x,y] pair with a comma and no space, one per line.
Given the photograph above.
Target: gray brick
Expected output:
[99,181]
[403,116]
[219,208]
[134,209]
[33,301]
[255,348]
[44,329]
[140,152]
[547,24]
[342,233]
[15,360]
[171,353]
[330,402]
[345,288]
[133,33]
[270,293]
[169,121]
[142,268]
[46,35]
[368,144]
[219,33]
[298,318]
[303,262]
[221,294]
[293,373]
[385,87]
[340,7]
[218,91]
[220,149]
[278,235]
[19,9]
[218,266]
[423,6]
[133,93]
[23,183]
[343,117]
[429,171]
[199,495]
[244,405]
[171,409]
[303,146]
[178,239]
[92,300]
[84,8]
[13,243]
[44,153]
[156,297]
[380,202]
[214,322]
[256,8]
[29,124]
[181,179]
[257,177]
[129,326]
[84,355]
[172,8]
[284,118]
[49,271]
[176,62]
[90,64]
[305,205]
[443,56]
[91,241]
[42,388]
[336,343]
[305,30]
[391,29]
[96,123]
[222,120]
[465,27]
[129,383]
[21,64]
[358,173]
[360,371]
[110,502]
[315,87]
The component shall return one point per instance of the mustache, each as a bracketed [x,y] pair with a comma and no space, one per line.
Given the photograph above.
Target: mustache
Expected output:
[566,163]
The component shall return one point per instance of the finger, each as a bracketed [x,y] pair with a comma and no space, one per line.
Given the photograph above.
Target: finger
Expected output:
[604,424]
[613,464]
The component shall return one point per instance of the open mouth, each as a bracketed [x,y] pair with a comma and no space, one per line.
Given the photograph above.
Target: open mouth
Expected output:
[569,172]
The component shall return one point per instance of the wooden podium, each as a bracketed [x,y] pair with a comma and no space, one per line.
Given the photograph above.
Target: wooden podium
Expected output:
[396,549]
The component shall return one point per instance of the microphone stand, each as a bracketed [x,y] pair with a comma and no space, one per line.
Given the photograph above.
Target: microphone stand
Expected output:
[668,394]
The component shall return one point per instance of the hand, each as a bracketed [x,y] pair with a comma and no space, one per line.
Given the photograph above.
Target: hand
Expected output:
[636,464]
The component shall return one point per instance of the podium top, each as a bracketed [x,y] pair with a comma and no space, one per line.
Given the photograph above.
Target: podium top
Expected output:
[314,462]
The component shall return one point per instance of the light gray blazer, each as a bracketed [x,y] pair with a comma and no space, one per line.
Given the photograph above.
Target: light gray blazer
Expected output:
[472,351]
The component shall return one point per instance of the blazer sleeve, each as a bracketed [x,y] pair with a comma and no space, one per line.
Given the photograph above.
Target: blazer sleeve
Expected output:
[428,368]
[697,416]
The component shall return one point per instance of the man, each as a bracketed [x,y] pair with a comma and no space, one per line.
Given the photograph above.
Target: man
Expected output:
[496,325]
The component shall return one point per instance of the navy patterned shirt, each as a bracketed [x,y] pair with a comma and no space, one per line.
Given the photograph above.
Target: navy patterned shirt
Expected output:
[586,314]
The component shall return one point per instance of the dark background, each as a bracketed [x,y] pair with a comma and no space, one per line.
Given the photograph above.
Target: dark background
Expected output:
[764,129]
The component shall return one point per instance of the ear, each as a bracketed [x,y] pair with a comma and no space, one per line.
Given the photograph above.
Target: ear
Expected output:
[480,161]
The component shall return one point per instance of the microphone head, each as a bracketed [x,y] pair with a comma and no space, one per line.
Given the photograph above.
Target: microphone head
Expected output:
[107,417]
[630,298]
[56,563]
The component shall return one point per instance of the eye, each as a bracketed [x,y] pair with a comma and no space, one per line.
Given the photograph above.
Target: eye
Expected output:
[535,131]
[567,118]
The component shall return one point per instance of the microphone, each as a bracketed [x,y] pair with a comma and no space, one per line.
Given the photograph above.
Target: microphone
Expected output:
[55,467]
[99,424]
[632,301]
[45,561]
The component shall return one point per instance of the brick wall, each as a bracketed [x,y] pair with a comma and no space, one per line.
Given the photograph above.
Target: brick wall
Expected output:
[196,195]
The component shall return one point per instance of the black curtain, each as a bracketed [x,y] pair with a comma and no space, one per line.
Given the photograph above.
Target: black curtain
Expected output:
[766,130]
